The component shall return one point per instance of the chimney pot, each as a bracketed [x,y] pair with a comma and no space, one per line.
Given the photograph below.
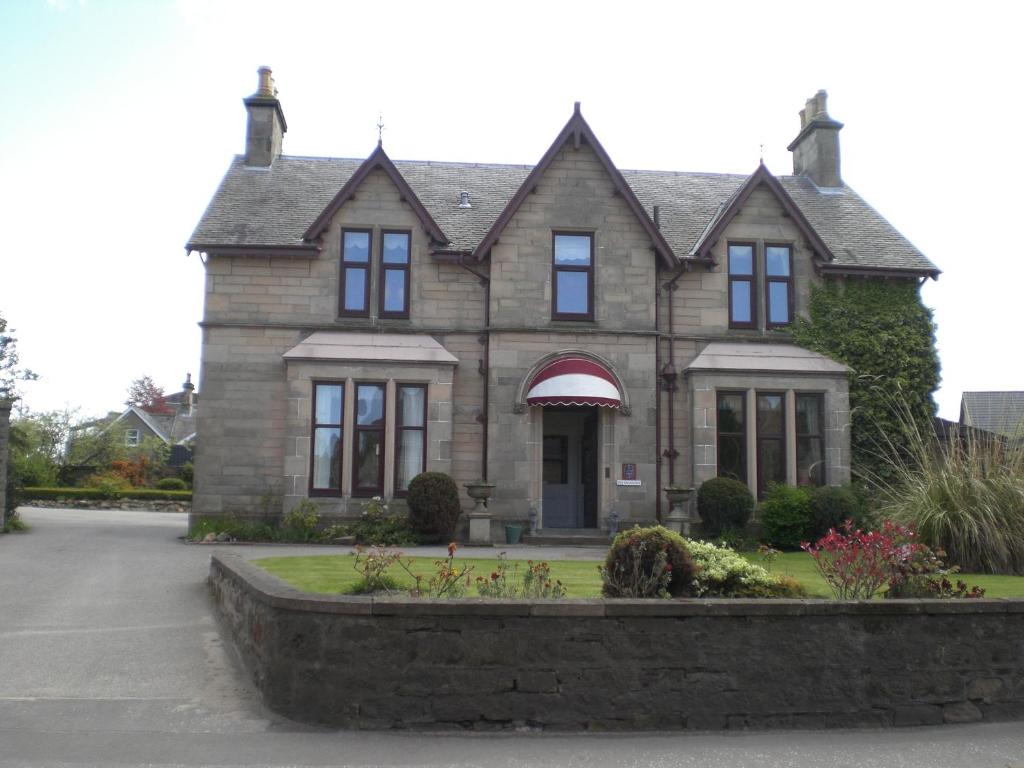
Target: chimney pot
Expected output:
[464,200]
[265,86]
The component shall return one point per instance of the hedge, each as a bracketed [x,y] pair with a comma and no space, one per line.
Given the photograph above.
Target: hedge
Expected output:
[91,494]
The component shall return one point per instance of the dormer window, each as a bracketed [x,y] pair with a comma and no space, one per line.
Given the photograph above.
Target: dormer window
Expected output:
[355,273]
[572,279]
[394,282]
[778,285]
[742,311]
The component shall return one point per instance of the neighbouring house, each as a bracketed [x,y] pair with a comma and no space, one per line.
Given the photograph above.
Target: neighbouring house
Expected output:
[1001,413]
[579,335]
[172,421]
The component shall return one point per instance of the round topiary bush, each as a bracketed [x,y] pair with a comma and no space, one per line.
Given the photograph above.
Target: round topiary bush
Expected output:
[171,484]
[786,516]
[433,506]
[644,562]
[723,504]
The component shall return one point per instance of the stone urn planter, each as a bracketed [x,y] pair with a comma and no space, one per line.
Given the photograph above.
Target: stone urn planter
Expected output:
[480,517]
[679,517]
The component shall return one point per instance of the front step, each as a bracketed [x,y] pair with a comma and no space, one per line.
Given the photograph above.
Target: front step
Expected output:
[568,537]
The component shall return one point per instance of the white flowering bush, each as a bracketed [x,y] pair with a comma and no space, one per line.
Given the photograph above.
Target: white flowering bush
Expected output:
[723,572]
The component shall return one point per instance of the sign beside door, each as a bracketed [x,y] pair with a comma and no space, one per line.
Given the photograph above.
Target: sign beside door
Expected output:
[628,475]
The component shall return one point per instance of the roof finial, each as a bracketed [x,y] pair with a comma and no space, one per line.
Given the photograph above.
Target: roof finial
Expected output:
[576,108]
[380,129]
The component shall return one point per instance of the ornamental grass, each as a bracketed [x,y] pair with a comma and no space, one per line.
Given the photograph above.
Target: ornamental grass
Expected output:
[964,496]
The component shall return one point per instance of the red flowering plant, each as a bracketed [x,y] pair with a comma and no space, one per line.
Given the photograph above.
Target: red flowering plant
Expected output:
[448,580]
[856,564]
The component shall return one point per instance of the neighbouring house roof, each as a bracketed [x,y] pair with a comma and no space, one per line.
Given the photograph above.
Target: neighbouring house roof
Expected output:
[769,358]
[998,412]
[259,209]
[340,346]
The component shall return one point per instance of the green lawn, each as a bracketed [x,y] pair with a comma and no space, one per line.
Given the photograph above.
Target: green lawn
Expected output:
[334,574]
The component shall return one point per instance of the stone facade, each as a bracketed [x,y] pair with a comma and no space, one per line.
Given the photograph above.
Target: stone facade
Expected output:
[360,662]
[653,310]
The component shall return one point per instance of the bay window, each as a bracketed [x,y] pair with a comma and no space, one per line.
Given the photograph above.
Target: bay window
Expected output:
[368,441]
[771,440]
[810,439]
[732,440]
[328,409]
[410,434]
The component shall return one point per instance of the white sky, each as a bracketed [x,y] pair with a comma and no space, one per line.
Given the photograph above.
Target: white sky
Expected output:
[119,119]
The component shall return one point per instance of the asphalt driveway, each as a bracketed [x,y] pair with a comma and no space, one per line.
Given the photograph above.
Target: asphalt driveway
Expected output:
[110,655]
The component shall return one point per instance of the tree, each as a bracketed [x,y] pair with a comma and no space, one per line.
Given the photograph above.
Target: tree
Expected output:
[10,373]
[145,394]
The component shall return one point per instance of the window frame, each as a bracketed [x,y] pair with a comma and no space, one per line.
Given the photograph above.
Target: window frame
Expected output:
[556,268]
[384,268]
[819,435]
[367,268]
[127,440]
[401,427]
[314,425]
[762,486]
[769,279]
[377,490]
[751,279]
[742,434]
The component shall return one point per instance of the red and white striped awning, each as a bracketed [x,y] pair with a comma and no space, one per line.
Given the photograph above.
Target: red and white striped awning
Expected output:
[574,381]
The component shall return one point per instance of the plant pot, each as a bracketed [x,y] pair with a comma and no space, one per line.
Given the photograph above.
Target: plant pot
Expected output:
[513,534]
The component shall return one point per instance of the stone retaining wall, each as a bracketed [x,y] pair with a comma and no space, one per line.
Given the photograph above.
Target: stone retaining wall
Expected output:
[363,662]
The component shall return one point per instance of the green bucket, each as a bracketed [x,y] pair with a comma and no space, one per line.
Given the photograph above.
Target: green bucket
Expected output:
[513,533]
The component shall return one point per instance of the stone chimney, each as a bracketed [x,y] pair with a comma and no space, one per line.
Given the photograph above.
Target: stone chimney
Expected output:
[189,397]
[266,124]
[816,148]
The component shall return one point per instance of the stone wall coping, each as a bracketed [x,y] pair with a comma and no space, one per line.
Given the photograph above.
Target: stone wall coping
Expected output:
[274,592]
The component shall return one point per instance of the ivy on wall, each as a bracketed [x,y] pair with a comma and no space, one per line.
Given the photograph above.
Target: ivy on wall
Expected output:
[886,335]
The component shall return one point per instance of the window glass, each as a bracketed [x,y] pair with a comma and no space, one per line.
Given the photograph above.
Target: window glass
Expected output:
[769,415]
[355,288]
[411,406]
[771,463]
[732,441]
[573,293]
[370,405]
[396,248]
[741,260]
[572,250]
[810,466]
[778,303]
[370,446]
[357,247]
[328,403]
[808,414]
[741,304]
[776,261]
[410,457]
[394,290]
[326,458]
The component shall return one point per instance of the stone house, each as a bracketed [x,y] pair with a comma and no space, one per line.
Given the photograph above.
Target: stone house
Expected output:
[578,335]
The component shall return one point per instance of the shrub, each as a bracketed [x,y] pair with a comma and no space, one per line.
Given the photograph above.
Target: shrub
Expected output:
[647,562]
[433,506]
[722,572]
[373,566]
[856,564]
[723,504]
[114,490]
[832,506]
[109,485]
[301,521]
[964,496]
[133,472]
[240,530]
[171,484]
[187,473]
[786,518]
[377,526]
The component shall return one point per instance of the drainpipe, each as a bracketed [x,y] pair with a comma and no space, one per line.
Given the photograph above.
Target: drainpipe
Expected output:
[657,401]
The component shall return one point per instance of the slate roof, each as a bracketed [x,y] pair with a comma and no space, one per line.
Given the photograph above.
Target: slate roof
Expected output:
[998,412]
[274,206]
